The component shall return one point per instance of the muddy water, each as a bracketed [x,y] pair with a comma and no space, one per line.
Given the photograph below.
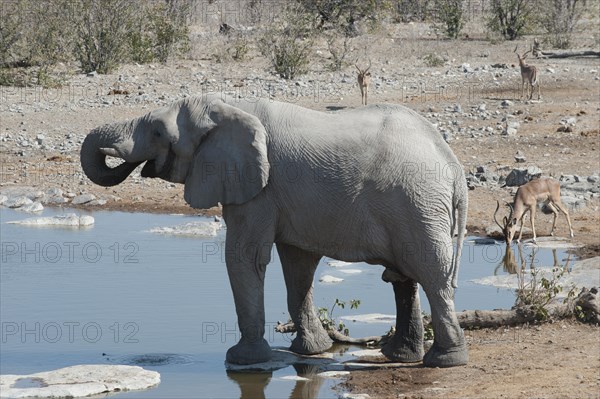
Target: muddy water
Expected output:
[116,293]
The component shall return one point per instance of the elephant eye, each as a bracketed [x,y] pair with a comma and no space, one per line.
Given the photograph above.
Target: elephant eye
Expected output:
[156,133]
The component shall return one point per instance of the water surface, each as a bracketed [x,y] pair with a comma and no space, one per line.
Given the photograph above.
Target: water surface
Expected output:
[118,294]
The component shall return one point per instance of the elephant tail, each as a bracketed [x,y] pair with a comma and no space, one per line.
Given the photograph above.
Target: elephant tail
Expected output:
[460,201]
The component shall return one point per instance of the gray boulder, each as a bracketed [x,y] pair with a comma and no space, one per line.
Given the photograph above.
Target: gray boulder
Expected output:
[520,176]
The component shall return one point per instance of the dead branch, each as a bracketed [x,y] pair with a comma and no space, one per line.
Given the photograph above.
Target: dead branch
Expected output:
[569,54]
[335,335]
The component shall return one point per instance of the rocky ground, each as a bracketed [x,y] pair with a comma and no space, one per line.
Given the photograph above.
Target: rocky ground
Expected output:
[473,99]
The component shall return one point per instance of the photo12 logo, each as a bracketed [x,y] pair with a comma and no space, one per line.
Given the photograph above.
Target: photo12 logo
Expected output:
[67,252]
[68,332]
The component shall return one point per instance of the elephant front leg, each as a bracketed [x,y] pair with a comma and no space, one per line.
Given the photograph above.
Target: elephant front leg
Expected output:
[407,343]
[247,275]
[298,270]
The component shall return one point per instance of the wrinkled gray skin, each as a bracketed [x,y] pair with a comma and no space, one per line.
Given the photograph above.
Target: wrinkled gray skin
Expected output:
[377,184]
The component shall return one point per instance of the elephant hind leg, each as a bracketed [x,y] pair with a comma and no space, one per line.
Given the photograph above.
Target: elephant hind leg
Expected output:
[449,348]
[298,270]
[407,343]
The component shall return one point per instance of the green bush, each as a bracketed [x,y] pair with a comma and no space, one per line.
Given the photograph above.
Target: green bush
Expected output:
[559,19]
[11,21]
[100,34]
[511,18]
[449,17]
[433,60]
[102,30]
[345,13]
[288,44]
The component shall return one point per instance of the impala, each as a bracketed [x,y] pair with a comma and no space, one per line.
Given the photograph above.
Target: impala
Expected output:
[543,189]
[363,82]
[529,73]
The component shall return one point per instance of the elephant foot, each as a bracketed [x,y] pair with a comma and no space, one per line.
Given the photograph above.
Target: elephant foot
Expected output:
[438,357]
[249,352]
[403,350]
[311,343]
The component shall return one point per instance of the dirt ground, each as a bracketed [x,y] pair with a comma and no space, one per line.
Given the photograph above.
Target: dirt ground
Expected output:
[556,360]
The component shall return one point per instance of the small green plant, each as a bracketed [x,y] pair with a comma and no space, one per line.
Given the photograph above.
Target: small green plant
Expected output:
[238,47]
[433,60]
[327,319]
[541,291]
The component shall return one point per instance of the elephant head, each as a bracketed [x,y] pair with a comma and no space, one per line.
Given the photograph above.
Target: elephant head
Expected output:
[217,150]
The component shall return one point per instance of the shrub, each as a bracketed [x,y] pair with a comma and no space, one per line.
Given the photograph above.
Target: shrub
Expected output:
[449,14]
[411,10]
[11,21]
[169,27]
[160,31]
[345,13]
[559,20]
[339,48]
[510,18]
[288,44]
[102,29]
[433,60]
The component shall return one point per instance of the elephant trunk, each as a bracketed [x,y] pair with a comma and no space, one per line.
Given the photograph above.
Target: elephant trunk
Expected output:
[94,149]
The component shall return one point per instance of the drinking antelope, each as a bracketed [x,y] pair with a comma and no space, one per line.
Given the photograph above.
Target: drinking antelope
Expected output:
[363,82]
[529,73]
[543,189]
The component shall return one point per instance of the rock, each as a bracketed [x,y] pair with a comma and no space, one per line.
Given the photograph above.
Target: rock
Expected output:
[54,192]
[566,179]
[591,179]
[550,70]
[17,202]
[198,229]
[330,279]
[466,68]
[457,108]
[573,203]
[97,202]
[520,158]
[79,381]
[506,103]
[32,208]
[55,200]
[66,220]
[3,199]
[83,199]
[589,302]
[509,131]
[481,107]
[92,74]
[518,177]
[565,129]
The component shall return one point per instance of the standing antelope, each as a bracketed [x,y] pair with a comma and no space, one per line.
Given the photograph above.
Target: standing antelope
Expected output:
[529,73]
[543,189]
[363,82]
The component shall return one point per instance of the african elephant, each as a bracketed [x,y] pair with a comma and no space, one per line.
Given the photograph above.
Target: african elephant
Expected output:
[376,184]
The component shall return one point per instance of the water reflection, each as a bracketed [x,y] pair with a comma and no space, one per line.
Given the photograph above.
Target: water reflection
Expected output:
[509,263]
[252,385]
[310,387]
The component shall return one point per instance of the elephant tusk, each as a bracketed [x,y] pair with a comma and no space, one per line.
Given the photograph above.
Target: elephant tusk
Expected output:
[110,152]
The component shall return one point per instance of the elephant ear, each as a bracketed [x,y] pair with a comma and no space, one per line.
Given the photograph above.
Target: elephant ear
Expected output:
[230,165]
